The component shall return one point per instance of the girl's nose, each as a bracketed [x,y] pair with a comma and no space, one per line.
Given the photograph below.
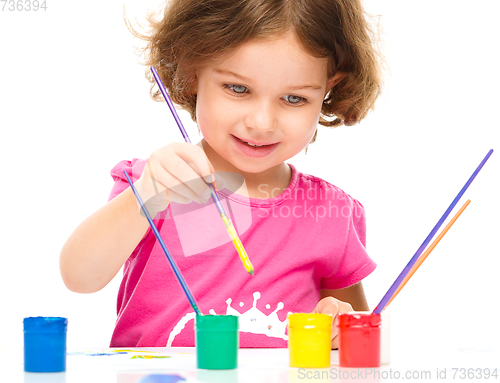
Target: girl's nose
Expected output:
[262,116]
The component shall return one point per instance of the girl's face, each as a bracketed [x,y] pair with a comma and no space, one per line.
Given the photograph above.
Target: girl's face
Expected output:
[260,106]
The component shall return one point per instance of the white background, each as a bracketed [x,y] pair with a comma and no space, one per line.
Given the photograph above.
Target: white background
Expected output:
[74,102]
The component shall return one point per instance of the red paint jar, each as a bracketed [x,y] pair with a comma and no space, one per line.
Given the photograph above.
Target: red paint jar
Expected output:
[359,340]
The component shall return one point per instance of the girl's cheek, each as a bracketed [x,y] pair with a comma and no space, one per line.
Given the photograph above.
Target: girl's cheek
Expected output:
[214,109]
[205,113]
[301,125]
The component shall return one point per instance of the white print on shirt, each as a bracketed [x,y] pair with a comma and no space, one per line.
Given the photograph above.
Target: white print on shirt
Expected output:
[253,320]
[179,327]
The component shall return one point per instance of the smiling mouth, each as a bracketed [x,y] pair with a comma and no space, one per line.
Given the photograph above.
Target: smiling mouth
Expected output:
[254,145]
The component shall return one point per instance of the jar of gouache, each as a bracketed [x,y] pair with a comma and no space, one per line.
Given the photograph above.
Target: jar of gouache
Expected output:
[359,339]
[45,344]
[309,340]
[217,341]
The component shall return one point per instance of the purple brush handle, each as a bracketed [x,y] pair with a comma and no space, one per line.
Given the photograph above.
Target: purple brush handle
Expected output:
[184,134]
[170,104]
[388,295]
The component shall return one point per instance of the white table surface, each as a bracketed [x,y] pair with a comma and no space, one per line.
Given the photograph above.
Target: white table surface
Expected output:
[255,365]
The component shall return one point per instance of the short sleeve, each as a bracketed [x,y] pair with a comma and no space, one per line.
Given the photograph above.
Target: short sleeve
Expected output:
[355,263]
[134,170]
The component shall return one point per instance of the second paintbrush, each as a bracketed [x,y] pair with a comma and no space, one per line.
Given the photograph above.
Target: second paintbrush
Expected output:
[225,218]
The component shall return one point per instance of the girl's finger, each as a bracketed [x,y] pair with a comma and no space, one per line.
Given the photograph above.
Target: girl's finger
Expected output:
[219,182]
[179,198]
[175,186]
[328,305]
[335,343]
[210,176]
[192,164]
[335,329]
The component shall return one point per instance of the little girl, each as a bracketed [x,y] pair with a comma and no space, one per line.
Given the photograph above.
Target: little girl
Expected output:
[257,76]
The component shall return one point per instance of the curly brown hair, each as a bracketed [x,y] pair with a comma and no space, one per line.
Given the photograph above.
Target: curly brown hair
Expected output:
[195,33]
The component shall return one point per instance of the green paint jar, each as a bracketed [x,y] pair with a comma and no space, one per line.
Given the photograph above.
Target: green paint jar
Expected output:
[217,341]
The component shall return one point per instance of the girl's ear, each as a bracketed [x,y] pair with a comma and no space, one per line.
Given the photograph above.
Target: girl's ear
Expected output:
[194,87]
[334,80]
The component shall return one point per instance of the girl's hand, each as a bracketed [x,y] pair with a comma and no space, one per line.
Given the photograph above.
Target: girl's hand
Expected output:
[333,307]
[174,173]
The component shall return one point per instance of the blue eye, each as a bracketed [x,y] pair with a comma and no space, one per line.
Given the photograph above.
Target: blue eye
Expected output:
[294,99]
[237,88]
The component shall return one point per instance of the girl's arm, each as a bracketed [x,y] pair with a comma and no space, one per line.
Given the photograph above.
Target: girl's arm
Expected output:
[340,301]
[100,245]
[355,295]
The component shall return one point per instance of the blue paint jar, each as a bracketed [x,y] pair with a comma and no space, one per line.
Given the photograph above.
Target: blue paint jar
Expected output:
[45,344]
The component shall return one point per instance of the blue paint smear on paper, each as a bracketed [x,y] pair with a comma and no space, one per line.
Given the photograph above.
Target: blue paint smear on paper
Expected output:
[160,378]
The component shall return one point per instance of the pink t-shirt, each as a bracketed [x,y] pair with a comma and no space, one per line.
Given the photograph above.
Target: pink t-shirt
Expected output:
[308,238]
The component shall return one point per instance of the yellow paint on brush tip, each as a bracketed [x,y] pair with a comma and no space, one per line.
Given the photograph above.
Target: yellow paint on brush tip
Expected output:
[243,255]
[232,233]
[238,245]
